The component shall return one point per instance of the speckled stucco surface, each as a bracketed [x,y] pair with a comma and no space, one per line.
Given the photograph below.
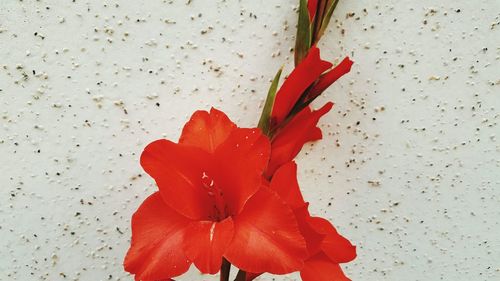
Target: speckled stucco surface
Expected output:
[409,167]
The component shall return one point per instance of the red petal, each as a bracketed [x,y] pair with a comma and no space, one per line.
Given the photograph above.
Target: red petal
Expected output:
[207,130]
[284,183]
[338,248]
[312,5]
[238,166]
[178,171]
[156,249]
[330,77]
[206,242]
[320,268]
[299,80]
[266,238]
[312,237]
[334,245]
[289,141]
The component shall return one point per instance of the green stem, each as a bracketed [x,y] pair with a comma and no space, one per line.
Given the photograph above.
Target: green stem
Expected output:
[242,276]
[225,269]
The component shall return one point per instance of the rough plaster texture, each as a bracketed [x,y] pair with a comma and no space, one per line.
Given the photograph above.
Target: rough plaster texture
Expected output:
[409,167]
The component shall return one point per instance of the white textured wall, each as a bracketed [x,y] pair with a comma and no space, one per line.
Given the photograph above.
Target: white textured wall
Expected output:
[409,169]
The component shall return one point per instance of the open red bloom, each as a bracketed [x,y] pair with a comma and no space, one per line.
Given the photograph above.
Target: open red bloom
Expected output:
[211,204]
[326,247]
[325,253]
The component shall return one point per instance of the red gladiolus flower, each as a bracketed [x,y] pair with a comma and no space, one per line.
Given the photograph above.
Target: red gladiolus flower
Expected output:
[306,82]
[212,203]
[288,141]
[308,71]
[329,78]
[323,264]
[326,248]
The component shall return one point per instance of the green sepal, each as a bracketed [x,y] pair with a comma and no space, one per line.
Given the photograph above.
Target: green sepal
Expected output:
[332,4]
[304,36]
[265,117]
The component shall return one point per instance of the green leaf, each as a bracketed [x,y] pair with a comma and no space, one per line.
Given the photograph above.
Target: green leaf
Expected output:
[264,122]
[304,36]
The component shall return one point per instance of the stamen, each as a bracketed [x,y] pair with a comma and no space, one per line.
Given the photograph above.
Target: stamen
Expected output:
[220,208]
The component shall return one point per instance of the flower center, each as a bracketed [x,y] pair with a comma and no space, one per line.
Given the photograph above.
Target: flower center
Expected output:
[220,211]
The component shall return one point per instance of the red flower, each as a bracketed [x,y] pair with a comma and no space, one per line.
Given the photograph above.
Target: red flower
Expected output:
[307,81]
[288,141]
[211,204]
[308,71]
[326,247]
[292,126]
[329,78]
